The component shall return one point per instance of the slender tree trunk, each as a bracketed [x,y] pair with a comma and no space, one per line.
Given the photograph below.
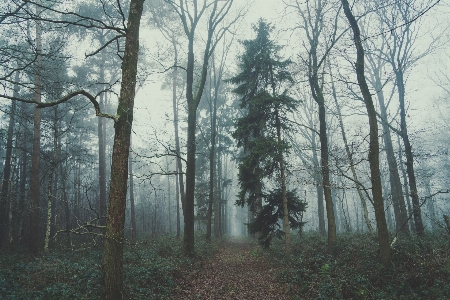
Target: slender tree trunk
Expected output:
[398,200]
[7,170]
[102,149]
[319,186]
[192,103]
[113,253]
[50,194]
[178,204]
[286,227]
[132,207]
[213,111]
[317,93]
[188,211]
[168,199]
[33,245]
[419,229]
[326,178]
[12,198]
[352,164]
[65,203]
[218,220]
[405,184]
[377,194]
[23,178]
[180,180]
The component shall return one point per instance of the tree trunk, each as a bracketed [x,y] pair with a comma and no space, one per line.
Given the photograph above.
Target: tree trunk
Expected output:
[326,177]
[398,200]
[113,252]
[409,155]
[23,178]
[33,245]
[132,208]
[377,195]
[188,210]
[50,181]
[352,164]
[65,200]
[192,103]
[317,93]
[405,185]
[319,187]
[102,150]
[218,220]
[177,198]
[286,227]
[180,180]
[211,198]
[7,170]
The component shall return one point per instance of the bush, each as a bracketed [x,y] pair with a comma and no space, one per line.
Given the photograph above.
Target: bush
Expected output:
[352,271]
[150,270]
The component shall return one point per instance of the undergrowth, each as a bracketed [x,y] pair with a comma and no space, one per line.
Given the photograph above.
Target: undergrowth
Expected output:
[352,271]
[149,271]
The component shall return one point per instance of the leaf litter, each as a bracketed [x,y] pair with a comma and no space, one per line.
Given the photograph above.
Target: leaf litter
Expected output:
[237,271]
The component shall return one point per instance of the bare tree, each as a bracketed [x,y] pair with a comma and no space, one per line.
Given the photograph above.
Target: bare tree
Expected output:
[377,194]
[320,43]
[191,15]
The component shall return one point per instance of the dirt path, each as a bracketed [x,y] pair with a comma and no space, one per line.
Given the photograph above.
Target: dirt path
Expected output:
[233,273]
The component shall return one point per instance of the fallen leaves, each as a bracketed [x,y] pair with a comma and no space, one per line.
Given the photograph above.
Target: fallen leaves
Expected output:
[233,273]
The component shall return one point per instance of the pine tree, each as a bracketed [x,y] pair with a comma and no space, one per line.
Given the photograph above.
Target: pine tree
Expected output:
[265,101]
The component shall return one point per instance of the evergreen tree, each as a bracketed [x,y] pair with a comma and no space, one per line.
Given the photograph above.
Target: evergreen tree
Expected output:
[265,101]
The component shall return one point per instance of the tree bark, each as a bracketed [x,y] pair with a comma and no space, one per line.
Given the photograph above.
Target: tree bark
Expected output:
[352,164]
[23,178]
[113,252]
[211,198]
[33,245]
[193,96]
[319,186]
[286,227]
[383,235]
[398,200]
[50,181]
[405,185]
[326,177]
[317,94]
[132,207]
[102,150]
[419,229]
[7,170]
[180,180]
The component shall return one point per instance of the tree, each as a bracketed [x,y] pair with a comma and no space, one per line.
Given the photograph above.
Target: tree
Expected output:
[265,101]
[7,169]
[163,16]
[350,158]
[123,119]
[313,23]
[113,257]
[33,245]
[190,15]
[377,195]
[376,66]
[401,56]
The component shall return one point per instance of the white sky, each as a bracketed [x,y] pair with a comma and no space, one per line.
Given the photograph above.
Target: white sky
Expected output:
[152,104]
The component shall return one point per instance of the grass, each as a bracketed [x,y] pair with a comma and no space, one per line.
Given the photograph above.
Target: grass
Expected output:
[149,271]
[352,271]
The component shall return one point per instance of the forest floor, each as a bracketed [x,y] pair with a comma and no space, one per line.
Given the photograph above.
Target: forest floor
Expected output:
[239,270]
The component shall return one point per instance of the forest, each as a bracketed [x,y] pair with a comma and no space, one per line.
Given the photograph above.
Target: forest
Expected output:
[224,149]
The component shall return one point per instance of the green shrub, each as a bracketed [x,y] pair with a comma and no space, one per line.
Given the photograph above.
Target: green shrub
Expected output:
[149,271]
[352,270]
